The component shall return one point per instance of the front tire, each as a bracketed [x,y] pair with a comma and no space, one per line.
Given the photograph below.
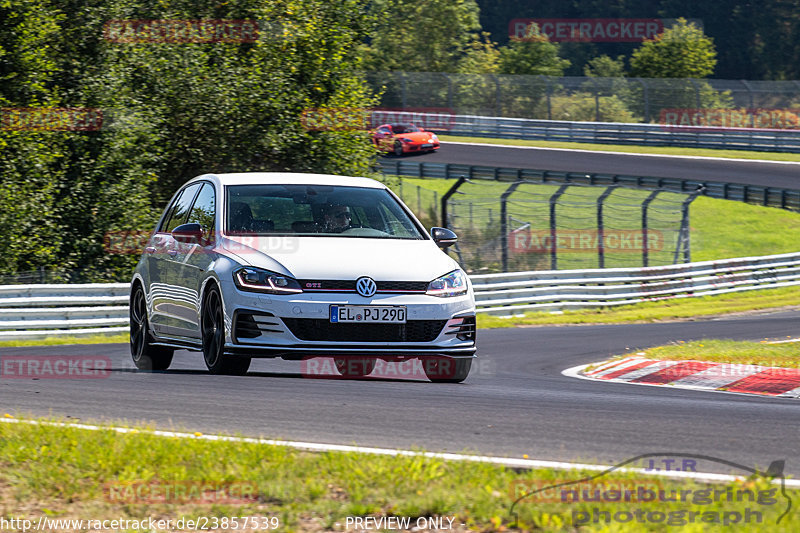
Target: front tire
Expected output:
[145,356]
[447,369]
[398,148]
[212,326]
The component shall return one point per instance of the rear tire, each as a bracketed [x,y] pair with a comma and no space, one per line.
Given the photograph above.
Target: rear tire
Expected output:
[447,369]
[354,367]
[145,356]
[212,327]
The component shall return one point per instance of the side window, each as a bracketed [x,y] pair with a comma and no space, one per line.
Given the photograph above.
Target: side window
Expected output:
[181,208]
[204,211]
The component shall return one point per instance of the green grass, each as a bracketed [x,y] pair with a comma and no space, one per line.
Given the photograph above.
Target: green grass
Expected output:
[669,310]
[66,472]
[728,351]
[56,340]
[666,150]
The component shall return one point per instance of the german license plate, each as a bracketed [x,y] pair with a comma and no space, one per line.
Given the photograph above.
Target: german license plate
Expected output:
[372,314]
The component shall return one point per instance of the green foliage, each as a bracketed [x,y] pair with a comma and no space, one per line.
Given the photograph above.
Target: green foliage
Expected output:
[682,51]
[533,54]
[429,36]
[583,107]
[171,111]
[605,67]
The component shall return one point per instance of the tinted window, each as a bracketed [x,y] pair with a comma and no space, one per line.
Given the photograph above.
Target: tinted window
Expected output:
[317,209]
[404,128]
[204,210]
[180,208]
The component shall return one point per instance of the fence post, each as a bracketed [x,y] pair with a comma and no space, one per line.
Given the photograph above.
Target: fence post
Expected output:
[752,102]
[446,197]
[696,92]
[449,91]
[601,252]
[646,96]
[645,205]
[504,223]
[553,232]
[684,239]
[496,94]
[403,85]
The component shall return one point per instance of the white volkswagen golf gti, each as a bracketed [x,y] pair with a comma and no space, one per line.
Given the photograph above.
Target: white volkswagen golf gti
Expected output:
[297,266]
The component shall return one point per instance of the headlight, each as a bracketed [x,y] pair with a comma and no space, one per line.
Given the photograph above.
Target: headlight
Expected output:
[452,284]
[434,137]
[255,279]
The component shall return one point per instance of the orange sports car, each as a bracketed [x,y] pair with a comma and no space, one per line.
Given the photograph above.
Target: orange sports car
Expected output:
[404,138]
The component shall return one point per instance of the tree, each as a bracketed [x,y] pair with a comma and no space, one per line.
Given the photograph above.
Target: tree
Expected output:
[427,36]
[533,54]
[605,67]
[682,51]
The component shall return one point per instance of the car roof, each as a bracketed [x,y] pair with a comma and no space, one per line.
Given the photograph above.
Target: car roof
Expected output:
[291,178]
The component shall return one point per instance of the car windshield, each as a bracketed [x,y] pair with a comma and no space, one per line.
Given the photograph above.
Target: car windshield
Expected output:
[404,128]
[319,210]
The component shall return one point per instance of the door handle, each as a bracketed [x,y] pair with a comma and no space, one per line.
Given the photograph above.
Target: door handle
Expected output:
[172,253]
[150,249]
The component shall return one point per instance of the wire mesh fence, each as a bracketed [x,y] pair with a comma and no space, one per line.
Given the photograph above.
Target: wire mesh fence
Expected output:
[678,101]
[519,225]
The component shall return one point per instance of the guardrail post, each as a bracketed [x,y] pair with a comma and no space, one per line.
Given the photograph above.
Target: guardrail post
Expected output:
[645,205]
[601,253]
[504,223]
[553,231]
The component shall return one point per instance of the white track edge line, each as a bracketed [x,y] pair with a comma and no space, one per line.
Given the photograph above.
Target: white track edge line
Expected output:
[317,447]
[634,154]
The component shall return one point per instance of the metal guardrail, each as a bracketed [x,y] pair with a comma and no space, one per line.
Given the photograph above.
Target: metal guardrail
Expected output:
[516,292]
[38,311]
[773,140]
[752,194]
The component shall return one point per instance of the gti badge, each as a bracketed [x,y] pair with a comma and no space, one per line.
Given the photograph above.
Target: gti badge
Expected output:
[366,287]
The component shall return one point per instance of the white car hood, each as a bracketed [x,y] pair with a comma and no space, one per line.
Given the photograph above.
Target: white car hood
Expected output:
[344,257]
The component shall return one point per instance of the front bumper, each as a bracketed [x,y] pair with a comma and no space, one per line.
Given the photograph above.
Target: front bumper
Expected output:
[297,326]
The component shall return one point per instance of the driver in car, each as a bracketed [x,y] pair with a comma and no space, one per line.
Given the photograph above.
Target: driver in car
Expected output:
[335,218]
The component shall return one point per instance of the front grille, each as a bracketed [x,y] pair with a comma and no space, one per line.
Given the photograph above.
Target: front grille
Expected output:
[338,285]
[314,329]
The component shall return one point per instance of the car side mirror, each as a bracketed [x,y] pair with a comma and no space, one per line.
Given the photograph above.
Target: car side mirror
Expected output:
[191,233]
[443,237]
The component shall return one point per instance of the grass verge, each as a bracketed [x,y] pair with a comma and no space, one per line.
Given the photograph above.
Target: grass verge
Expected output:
[670,310]
[70,473]
[727,351]
[664,150]
[58,340]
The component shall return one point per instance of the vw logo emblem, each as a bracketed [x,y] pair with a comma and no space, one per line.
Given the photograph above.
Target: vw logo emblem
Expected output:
[366,287]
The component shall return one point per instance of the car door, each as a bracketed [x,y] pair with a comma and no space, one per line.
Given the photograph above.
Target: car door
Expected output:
[166,294]
[193,259]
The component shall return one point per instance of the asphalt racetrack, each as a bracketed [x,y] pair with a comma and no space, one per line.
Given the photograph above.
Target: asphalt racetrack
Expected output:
[515,402]
[771,174]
